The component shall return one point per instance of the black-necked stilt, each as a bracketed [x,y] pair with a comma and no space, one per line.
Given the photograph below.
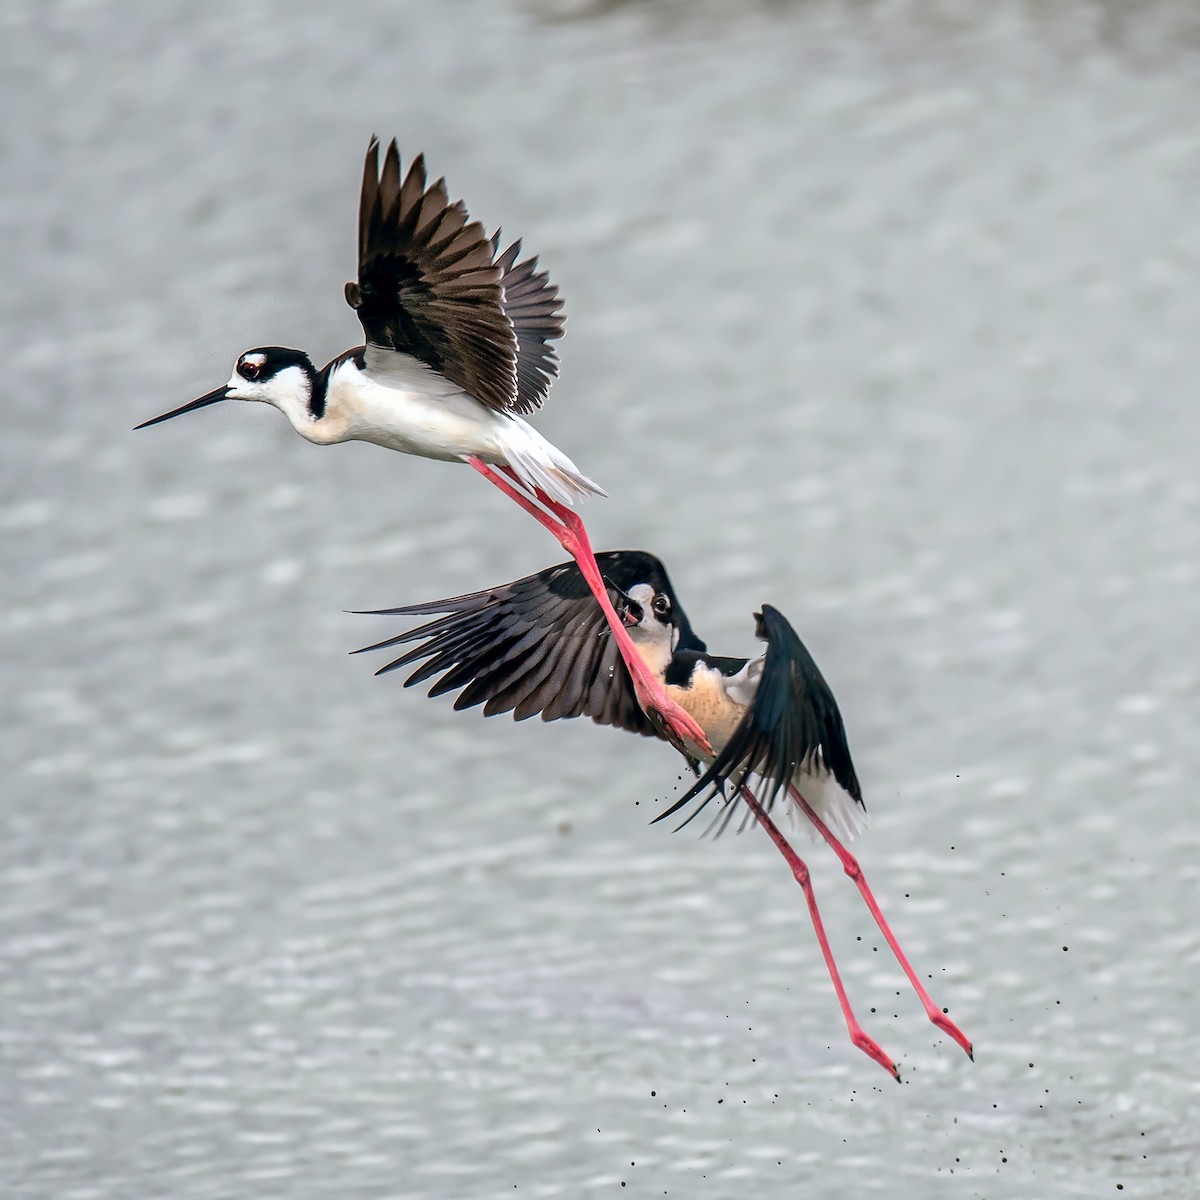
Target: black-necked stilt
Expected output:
[458,340]
[539,645]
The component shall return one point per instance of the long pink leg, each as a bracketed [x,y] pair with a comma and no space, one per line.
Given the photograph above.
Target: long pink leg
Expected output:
[851,867]
[867,1044]
[649,690]
[570,532]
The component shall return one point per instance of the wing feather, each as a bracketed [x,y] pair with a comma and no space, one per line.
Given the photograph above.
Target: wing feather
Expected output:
[792,724]
[537,645]
[427,283]
[533,305]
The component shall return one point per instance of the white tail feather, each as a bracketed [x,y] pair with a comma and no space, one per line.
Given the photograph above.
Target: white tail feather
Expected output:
[541,465]
[844,816]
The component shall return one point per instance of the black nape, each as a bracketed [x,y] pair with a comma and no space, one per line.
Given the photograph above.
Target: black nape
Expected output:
[320,379]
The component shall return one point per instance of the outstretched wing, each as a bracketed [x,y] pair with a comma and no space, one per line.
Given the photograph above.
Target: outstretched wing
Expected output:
[534,307]
[427,283]
[537,645]
[791,725]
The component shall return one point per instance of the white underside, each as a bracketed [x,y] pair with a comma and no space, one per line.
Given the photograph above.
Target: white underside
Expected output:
[844,816]
[402,405]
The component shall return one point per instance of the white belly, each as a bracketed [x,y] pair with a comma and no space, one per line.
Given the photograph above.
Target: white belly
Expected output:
[402,405]
[708,703]
[451,427]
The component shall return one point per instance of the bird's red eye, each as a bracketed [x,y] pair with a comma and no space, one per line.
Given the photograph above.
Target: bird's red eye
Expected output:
[248,369]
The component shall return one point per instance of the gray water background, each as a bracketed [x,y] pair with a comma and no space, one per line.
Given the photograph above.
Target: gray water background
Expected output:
[884,313]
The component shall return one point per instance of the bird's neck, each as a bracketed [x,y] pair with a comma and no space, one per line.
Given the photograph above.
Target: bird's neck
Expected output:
[327,414]
[313,411]
[654,652]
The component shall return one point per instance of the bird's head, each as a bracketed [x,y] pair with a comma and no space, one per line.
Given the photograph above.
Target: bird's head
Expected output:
[649,615]
[270,375]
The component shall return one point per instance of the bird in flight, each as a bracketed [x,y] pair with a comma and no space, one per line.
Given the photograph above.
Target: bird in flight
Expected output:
[540,645]
[457,351]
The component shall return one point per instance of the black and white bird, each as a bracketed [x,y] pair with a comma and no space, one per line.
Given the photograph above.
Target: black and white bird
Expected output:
[457,351]
[540,645]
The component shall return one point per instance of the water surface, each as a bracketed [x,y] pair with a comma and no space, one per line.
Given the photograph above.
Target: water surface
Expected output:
[881,316]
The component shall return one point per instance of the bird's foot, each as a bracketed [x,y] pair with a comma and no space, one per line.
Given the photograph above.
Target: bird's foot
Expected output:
[872,1049]
[951,1030]
[679,726]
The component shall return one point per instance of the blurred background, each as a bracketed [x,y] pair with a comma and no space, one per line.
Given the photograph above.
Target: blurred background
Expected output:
[884,313]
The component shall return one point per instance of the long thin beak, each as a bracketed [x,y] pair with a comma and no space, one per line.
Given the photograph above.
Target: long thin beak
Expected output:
[212,398]
[629,610]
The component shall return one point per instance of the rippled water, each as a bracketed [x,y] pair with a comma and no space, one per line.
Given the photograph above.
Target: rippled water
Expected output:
[880,315]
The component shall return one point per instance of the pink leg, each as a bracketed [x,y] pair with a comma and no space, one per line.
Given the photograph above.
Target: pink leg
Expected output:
[861,1039]
[570,532]
[851,867]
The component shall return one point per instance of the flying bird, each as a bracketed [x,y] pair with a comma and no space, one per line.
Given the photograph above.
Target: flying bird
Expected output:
[540,645]
[457,351]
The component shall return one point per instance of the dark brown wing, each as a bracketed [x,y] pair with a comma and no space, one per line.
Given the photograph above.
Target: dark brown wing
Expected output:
[427,285]
[793,720]
[534,307]
[537,645]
